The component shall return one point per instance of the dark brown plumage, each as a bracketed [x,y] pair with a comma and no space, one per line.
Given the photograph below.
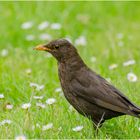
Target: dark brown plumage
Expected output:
[90,94]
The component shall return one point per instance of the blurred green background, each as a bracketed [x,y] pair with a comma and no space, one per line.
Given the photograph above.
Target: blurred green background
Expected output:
[110,32]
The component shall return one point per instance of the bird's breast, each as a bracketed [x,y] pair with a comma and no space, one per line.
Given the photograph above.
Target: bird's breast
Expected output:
[65,76]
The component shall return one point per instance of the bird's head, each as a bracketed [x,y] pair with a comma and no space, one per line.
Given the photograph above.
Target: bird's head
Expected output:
[60,49]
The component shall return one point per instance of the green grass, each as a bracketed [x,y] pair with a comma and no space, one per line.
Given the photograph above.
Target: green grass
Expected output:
[106,19]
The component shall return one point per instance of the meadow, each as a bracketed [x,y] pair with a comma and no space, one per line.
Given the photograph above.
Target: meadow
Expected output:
[32,104]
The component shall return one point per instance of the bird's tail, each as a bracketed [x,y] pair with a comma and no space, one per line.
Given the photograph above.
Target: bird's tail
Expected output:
[135,111]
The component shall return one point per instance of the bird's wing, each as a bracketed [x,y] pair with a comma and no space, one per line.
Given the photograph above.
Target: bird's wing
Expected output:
[93,88]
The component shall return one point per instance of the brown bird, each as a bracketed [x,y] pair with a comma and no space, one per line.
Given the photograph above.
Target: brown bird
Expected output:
[89,93]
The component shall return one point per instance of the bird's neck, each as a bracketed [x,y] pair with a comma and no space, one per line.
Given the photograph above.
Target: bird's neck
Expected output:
[73,62]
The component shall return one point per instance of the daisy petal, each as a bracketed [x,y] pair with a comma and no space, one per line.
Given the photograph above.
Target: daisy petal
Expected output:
[43,25]
[93,59]
[4,52]
[81,41]
[38,97]
[113,66]
[26,106]
[28,71]
[77,128]
[47,127]
[131,77]
[45,37]
[9,106]
[21,137]
[58,89]
[56,26]
[27,25]
[1,96]
[129,62]
[30,37]
[50,101]
[5,122]
[120,35]
[41,105]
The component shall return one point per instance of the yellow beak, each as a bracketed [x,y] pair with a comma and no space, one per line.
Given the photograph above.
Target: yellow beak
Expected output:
[42,48]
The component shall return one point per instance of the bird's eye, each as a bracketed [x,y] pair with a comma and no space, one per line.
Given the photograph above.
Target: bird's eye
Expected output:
[56,47]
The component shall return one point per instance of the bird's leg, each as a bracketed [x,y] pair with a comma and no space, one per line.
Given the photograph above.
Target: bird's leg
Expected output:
[96,129]
[98,124]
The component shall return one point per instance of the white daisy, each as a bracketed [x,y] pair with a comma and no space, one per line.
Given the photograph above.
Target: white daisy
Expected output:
[131,77]
[28,71]
[43,25]
[120,43]
[38,97]
[47,55]
[36,86]
[77,128]
[56,26]
[61,94]
[108,79]
[120,35]
[30,37]
[81,41]
[33,127]
[40,87]
[41,105]
[60,128]
[50,101]
[71,108]
[83,18]
[113,66]
[9,106]
[4,52]
[48,126]
[27,25]
[37,125]
[68,39]
[26,106]
[45,37]
[21,137]
[93,59]
[1,96]
[58,89]
[129,62]
[5,122]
